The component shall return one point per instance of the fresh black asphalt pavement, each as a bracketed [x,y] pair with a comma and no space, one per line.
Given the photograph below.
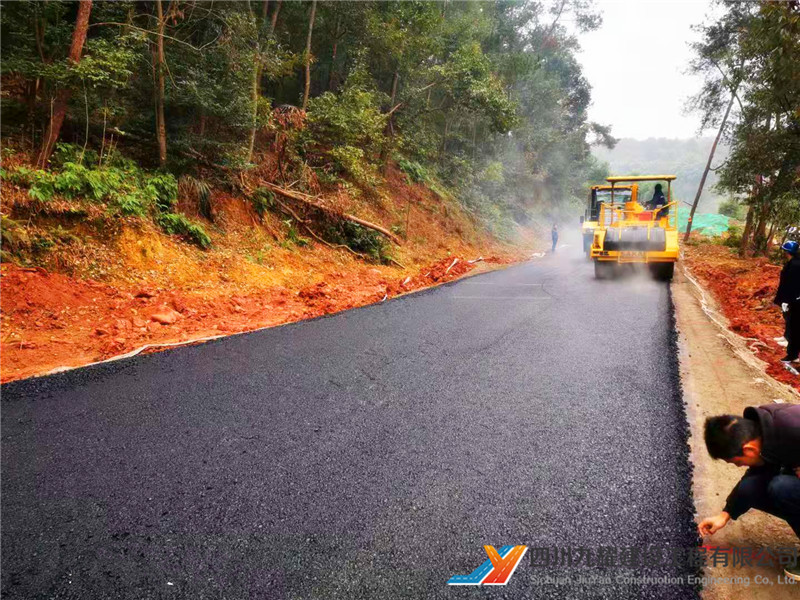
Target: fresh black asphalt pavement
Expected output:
[369,454]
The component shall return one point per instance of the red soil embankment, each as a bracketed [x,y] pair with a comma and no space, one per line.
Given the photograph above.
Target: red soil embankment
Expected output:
[744,290]
[52,320]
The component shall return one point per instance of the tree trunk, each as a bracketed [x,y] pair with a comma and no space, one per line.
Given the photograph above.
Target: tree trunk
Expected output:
[308,53]
[444,139]
[474,139]
[388,131]
[59,110]
[744,248]
[771,234]
[333,54]
[161,127]
[254,120]
[708,166]
[274,21]
[760,236]
[254,88]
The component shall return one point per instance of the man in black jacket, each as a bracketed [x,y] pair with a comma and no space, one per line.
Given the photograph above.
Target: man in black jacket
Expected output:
[788,298]
[767,441]
[658,198]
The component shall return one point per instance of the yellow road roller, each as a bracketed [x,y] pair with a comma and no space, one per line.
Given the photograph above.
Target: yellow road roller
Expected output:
[633,230]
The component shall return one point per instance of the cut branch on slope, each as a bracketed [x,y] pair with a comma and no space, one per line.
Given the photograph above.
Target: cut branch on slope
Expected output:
[305,199]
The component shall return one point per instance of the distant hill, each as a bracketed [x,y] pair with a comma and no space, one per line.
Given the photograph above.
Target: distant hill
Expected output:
[684,158]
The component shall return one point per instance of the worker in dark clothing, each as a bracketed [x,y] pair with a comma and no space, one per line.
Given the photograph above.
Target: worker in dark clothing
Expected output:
[767,441]
[788,298]
[657,200]
[554,235]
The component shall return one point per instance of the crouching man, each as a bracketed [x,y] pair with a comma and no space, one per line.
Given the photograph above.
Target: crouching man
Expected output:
[767,441]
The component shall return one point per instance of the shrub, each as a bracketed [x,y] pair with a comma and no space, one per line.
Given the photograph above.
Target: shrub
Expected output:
[359,239]
[733,208]
[123,186]
[351,161]
[177,224]
[734,237]
[293,235]
[200,192]
[163,189]
[348,126]
[263,199]
[414,170]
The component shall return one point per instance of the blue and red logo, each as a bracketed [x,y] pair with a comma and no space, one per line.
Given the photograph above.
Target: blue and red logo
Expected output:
[495,571]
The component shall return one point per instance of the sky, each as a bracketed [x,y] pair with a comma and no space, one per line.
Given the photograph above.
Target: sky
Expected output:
[637,65]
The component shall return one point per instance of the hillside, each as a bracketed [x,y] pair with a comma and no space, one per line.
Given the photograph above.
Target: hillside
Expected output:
[82,282]
[684,158]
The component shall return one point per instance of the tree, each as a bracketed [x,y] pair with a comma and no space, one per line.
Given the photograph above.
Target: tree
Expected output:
[307,56]
[764,161]
[159,67]
[59,109]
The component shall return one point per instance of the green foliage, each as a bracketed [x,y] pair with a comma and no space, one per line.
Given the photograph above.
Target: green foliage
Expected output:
[753,50]
[293,235]
[14,237]
[486,101]
[414,170]
[201,191]
[348,127]
[126,187]
[358,238]
[733,239]
[263,200]
[163,189]
[733,208]
[352,161]
[120,184]
[178,224]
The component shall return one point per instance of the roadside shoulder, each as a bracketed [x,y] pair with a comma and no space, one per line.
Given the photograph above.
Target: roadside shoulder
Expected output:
[721,376]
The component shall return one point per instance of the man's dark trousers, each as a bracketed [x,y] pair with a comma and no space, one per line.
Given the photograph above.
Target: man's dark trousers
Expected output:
[774,492]
[792,333]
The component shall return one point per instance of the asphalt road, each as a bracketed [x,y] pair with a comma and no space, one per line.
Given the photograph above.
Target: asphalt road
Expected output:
[370,454]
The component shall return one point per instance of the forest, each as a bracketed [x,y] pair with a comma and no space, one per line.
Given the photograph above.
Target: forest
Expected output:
[135,104]
[750,61]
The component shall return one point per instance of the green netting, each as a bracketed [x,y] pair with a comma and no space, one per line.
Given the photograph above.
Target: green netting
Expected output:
[705,223]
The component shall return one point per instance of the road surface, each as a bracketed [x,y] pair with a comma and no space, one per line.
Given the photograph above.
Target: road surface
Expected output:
[370,454]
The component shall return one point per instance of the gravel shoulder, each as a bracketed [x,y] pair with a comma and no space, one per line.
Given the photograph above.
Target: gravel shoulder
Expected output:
[721,375]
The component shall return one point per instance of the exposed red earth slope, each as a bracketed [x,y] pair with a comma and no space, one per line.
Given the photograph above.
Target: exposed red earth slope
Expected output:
[101,291]
[744,290]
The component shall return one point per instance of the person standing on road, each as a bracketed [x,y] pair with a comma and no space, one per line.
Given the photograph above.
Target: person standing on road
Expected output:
[554,235]
[788,298]
[767,441]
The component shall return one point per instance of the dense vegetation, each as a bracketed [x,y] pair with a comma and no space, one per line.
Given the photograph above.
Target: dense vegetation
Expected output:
[750,59]
[119,100]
